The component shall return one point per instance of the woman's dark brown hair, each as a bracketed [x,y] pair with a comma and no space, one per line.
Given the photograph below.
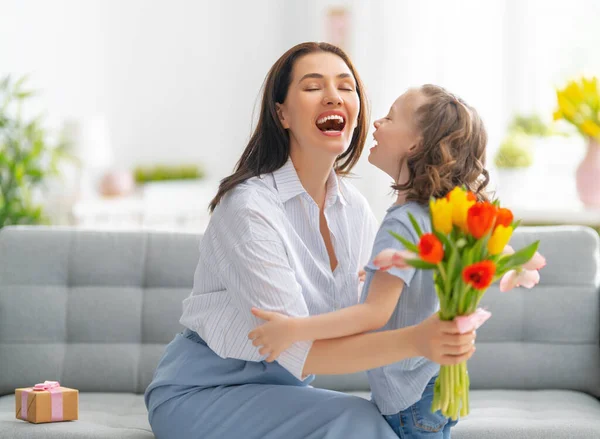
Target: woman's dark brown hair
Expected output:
[269,145]
[452,149]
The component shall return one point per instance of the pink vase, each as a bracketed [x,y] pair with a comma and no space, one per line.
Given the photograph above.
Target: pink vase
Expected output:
[588,176]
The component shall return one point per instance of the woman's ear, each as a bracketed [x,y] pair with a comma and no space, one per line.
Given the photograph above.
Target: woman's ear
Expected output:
[281,116]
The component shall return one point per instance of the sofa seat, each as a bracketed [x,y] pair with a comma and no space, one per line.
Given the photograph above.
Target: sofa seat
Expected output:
[528,414]
[101,415]
[501,414]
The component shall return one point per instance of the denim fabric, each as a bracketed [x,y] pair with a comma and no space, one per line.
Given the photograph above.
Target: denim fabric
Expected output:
[417,421]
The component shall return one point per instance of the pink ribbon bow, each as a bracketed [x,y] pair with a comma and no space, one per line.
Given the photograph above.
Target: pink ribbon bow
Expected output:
[56,399]
[46,385]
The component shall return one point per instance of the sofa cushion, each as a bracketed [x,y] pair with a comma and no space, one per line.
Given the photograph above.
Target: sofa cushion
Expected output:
[101,415]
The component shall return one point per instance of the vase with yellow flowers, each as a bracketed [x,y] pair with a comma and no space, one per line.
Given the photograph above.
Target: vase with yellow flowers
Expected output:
[579,105]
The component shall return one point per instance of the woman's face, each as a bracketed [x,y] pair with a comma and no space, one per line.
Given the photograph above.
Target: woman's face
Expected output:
[396,134]
[321,107]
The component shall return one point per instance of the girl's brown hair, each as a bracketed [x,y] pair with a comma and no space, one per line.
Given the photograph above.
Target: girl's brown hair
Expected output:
[269,145]
[452,149]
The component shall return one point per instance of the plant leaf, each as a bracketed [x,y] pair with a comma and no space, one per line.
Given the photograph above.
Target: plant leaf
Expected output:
[518,258]
[407,244]
[421,265]
[415,224]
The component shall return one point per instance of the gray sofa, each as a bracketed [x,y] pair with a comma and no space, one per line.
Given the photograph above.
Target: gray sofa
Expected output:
[94,309]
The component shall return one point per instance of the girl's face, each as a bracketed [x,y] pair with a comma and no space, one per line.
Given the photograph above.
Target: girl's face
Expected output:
[396,134]
[321,107]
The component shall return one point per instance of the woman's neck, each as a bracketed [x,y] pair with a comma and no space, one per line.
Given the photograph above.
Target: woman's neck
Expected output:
[313,173]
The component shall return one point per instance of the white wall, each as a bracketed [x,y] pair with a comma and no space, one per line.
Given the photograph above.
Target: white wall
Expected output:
[176,80]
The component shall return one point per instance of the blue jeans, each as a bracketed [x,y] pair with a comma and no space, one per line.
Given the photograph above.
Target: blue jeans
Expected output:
[417,421]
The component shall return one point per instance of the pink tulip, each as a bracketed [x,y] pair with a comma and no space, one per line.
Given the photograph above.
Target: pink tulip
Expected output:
[472,321]
[536,262]
[523,278]
[389,258]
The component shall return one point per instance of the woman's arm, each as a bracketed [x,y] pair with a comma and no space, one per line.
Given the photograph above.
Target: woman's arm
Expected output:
[280,332]
[437,340]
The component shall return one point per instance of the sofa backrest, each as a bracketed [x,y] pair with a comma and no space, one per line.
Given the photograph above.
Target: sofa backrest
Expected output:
[546,337]
[94,309]
[91,309]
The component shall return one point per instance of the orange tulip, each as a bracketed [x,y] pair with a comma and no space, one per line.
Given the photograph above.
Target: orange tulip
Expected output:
[481,218]
[504,218]
[431,249]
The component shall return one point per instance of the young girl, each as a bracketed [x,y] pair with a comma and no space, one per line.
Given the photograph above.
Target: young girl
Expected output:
[430,142]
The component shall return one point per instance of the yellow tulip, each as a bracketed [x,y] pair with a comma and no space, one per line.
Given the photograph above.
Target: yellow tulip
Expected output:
[441,212]
[557,115]
[574,93]
[500,237]
[565,105]
[591,128]
[590,86]
[461,201]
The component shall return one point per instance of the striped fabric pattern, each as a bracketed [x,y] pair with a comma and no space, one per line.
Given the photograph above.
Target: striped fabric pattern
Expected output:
[263,248]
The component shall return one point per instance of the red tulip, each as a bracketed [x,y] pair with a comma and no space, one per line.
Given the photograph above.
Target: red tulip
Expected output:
[481,218]
[431,249]
[480,274]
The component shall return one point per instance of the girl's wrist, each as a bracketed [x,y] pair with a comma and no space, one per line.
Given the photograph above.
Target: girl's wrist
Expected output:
[294,329]
[409,345]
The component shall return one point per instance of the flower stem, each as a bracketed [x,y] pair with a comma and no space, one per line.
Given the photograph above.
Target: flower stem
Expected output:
[451,391]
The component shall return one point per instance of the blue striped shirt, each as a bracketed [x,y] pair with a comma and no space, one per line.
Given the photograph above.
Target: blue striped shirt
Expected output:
[263,247]
[398,386]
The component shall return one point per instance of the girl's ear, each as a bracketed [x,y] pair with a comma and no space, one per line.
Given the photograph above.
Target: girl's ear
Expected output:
[416,144]
[281,116]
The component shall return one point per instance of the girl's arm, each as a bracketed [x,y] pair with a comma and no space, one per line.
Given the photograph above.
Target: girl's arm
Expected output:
[440,341]
[280,331]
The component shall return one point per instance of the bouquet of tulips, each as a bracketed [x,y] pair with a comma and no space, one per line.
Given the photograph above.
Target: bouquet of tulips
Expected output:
[467,251]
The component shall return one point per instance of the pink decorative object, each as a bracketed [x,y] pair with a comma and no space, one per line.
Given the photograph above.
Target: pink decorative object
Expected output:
[588,176]
[117,184]
[337,27]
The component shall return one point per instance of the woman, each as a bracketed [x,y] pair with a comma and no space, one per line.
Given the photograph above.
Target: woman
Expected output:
[288,233]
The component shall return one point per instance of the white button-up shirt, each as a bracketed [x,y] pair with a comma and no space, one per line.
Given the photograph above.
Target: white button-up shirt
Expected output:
[263,248]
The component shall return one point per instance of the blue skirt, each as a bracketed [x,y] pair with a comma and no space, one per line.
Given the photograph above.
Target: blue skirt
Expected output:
[197,394]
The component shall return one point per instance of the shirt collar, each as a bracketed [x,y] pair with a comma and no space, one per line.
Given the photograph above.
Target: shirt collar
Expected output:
[289,185]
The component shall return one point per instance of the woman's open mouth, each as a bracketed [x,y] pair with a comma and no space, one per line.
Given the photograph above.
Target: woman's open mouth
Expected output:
[331,124]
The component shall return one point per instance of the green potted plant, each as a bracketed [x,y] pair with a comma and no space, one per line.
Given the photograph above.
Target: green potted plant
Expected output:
[515,151]
[514,157]
[27,156]
[147,174]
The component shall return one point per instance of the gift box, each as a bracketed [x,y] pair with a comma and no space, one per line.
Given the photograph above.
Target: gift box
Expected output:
[47,402]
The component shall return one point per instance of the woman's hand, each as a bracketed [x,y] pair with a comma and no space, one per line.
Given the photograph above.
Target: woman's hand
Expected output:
[441,341]
[275,336]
